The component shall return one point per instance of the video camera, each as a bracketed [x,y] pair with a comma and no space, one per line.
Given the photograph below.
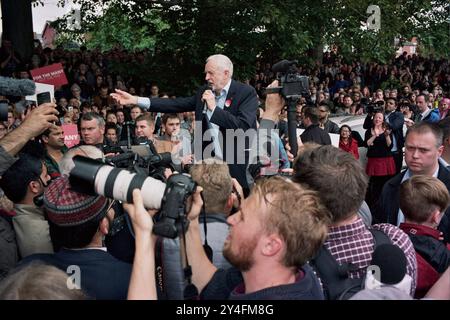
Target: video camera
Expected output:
[375,107]
[292,84]
[292,87]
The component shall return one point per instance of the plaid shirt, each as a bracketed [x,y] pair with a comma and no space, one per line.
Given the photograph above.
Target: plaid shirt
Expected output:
[354,243]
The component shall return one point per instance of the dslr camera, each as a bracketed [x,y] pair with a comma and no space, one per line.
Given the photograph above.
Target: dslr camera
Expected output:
[93,177]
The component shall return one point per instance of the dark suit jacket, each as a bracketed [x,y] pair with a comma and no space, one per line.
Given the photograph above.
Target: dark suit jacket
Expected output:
[396,121]
[102,275]
[315,134]
[241,114]
[387,207]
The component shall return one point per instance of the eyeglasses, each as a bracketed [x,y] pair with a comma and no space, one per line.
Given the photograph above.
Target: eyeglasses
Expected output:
[322,110]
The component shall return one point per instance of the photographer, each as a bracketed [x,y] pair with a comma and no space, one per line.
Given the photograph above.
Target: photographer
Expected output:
[214,178]
[145,126]
[267,244]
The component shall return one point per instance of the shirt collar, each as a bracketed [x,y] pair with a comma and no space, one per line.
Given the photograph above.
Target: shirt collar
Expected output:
[443,162]
[425,113]
[420,230]
[409,174]
[349,230]
[224,91]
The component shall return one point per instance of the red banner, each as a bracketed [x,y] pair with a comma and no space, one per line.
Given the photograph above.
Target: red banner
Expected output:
[53,74]
[71,135]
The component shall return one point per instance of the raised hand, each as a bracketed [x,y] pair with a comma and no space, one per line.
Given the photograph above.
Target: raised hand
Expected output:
[124,98]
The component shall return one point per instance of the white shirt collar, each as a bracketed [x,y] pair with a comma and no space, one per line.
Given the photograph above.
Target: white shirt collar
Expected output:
[226,88]
[424,114]
[443,162]
[409,174]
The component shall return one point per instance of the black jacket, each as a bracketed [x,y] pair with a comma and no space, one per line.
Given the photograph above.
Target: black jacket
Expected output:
[315,134]
[331,127]
[386,210]
[103,277]
[432,250]
[396,121]
[240,114]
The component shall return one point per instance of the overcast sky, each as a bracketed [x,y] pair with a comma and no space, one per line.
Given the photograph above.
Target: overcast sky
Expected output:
[48,12]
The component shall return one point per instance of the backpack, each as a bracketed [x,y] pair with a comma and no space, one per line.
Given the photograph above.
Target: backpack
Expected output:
[334,276]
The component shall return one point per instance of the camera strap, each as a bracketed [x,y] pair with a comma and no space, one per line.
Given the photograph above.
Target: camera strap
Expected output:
[190,291]
[206,247]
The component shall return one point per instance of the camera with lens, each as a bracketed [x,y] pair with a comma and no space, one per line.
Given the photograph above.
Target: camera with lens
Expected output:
[293,87]
[142,157]
[172,218]
[375,107]
[292,84]
[94,177]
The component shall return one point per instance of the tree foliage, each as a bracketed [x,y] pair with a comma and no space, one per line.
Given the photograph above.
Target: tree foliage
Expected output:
[181,33]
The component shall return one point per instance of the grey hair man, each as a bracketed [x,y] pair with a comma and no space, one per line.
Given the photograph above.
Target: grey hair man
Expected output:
[221,106]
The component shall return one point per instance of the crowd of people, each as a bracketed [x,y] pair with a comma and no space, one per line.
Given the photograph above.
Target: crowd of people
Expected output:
[312,235]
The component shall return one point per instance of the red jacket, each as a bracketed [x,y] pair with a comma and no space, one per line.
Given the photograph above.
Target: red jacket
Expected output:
[351,147]
[433,256]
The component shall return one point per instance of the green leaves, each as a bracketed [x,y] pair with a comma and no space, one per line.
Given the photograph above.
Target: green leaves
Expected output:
[182,36]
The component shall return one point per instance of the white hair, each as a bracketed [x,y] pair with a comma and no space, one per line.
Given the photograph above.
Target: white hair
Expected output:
[66,164]
[222,61]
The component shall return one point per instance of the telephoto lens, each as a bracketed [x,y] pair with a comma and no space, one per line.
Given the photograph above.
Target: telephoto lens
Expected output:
[93,177]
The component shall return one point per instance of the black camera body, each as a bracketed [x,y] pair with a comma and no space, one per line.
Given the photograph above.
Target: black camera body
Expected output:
[173,216]
[292,84]
[375,107]
[146,158]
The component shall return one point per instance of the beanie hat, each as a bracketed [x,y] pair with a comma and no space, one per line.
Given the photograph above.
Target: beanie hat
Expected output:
[67,208]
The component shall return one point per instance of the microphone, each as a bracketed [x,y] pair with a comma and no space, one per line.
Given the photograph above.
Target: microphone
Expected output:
[388,268]
[205,105]
[392,263]
[283,65]
[16,87]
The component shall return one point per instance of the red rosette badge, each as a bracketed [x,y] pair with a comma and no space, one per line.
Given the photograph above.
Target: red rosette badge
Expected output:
[228,103]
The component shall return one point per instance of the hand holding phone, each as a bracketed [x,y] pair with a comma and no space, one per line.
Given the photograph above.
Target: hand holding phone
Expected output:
[43,97]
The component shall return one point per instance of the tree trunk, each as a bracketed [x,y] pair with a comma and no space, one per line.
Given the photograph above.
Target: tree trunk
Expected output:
[17,24]
[317,53]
